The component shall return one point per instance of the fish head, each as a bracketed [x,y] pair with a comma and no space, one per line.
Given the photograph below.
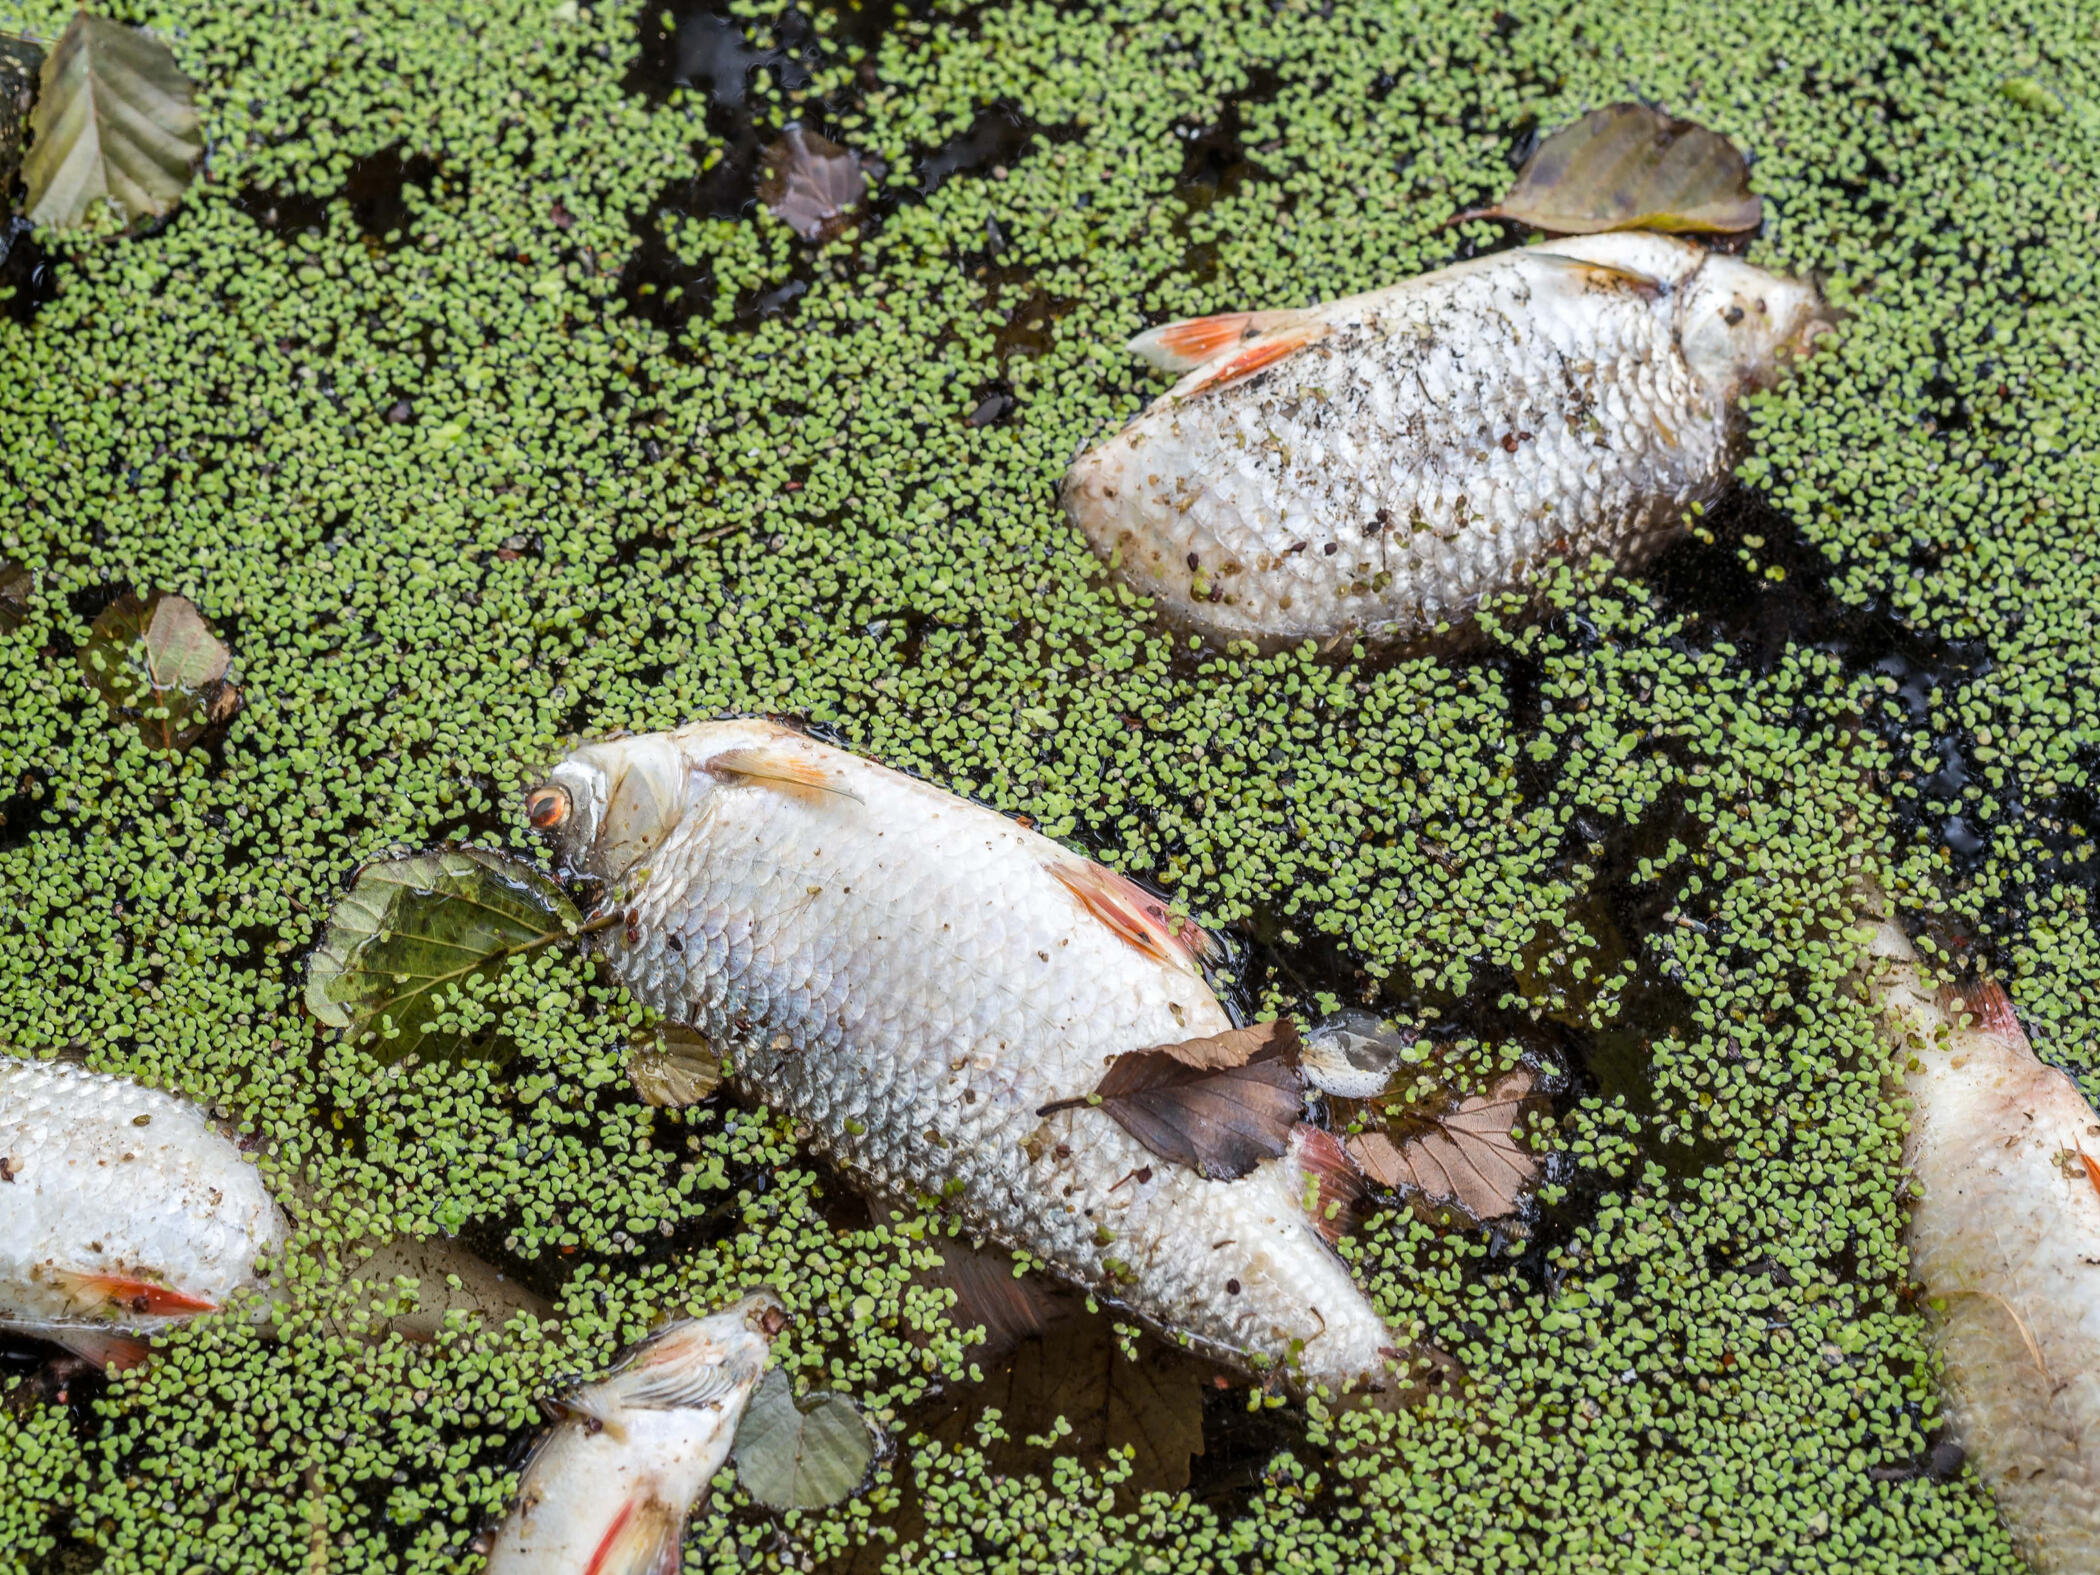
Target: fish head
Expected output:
[611,804]
[1742,327]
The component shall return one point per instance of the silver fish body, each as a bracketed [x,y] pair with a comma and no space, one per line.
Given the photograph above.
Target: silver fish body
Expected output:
[122,1208]
[2005,1238]
[914,977]
[1381,463]
[609,1491]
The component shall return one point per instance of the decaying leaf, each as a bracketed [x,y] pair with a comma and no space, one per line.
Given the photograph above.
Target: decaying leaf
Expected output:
[410,928]
[158,663]
[17,585]
[20,61]
[672,1065]
[1468,1158]
[811,183]
[805,1455]
[1009,1308]
[1196,1105]
[113,119]
[1629,167]
[1151,1403]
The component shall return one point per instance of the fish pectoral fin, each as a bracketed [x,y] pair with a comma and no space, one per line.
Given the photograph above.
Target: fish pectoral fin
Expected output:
[1257,356]
[643,1539]
[1186,345]
[1608,276]
[128,1293]
[680,1388]
[113,1353]
[1137,918]
[1338,1186]
[760,765]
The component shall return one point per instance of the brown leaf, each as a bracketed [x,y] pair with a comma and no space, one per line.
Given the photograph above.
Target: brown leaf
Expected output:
[1468,1158]
[1221,1121]
[17,585]
[1152,1405]
[158,663]
[1629,167]
[1237,1046]
[988,1295]
[811,183]
[670,1065]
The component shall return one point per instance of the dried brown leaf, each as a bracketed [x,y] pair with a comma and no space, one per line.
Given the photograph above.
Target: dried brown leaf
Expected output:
[1237,1046]
[811,183]
[114,121]
[1629,167]
[17,585]
[671,1065]
[1468,1157]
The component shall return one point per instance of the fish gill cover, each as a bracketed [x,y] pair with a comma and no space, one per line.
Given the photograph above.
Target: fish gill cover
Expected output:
[476,403]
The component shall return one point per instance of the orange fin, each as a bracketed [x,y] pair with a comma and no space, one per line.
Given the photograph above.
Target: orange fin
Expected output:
[1987,1002]
[1258,356]
[2092,1169]
[1338,1185]
[1186,345]
[777,768]
[123,1293]
[1138,918]
[643,1539]
[114,1353]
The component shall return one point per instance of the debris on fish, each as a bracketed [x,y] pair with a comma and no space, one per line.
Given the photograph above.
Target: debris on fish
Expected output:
[2004,1155]
[609,1491]
[122,1209]
[915,978]
[1352,1054]
[1379,464]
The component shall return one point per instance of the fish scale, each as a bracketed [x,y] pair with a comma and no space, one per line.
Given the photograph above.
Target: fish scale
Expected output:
[904,973]
[1391,458]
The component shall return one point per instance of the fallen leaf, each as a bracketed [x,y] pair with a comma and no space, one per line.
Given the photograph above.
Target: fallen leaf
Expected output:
[1151,1403]
[670,1065]
[19,63]
[410,929]
[1219,1119]
[158,663]
[113,119]
[1468,1158]
[811,183]
[1629,167]
[804,1454]
[17,585]
[1009,1308]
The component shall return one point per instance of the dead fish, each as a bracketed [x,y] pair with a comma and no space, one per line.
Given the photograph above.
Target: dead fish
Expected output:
[2004,1155]
[915,977]
[122,1209]
[1381,463]
[608,1492]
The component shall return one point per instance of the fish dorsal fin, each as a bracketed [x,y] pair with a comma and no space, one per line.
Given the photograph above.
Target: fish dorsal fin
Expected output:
[1186,345]
[643,1539]
[123,1293]
[1138,918]
[780,767]
[1607,276]
[1256,355]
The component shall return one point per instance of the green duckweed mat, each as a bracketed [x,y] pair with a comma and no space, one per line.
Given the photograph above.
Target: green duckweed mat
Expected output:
[478,410]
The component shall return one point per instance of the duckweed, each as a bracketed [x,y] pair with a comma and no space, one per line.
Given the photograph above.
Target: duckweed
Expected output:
[477,407]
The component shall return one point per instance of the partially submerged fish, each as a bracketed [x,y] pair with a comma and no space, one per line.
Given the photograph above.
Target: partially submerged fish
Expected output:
[2004,1153]
[122,1209]
[1381,463]
[916,977]
[610,1489]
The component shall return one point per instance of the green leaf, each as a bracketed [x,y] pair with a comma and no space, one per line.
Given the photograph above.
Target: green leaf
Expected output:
[158,663]
[801,1456]
[411,930]
[1629,167]
[113,119]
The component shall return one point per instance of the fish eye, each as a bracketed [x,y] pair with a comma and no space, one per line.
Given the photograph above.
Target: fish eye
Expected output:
[547,807]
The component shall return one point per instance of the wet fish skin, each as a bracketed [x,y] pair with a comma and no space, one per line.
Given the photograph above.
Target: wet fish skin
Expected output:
[1380,463]
[609,1491]
[2005,1238]
[914,977]
[125,1208]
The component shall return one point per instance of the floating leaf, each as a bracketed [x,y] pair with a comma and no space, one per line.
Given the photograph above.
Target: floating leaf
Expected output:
[1192,1104]
[674,1066]
[811,183]
[1468,1158]
[1150,1403]
[1009,1308]
[409,930]
[801,1455]
[17,585]
[1629,167]
[113,119]
[19,63]
[158,663]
